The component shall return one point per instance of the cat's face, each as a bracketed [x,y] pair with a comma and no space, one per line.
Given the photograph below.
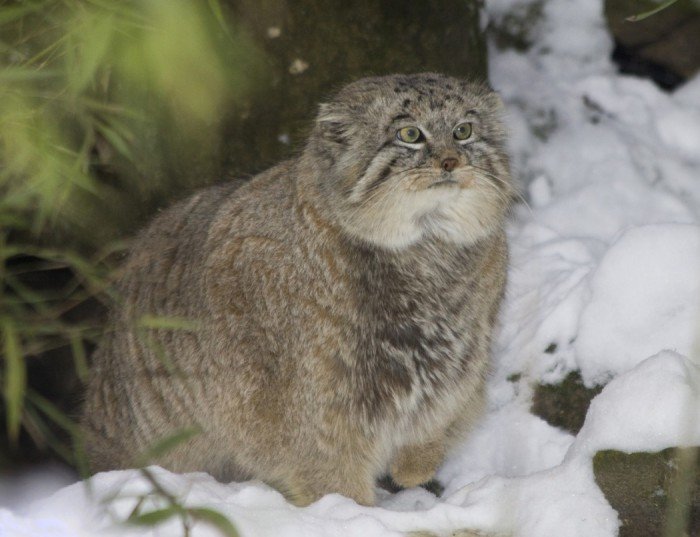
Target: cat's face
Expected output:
[412,157]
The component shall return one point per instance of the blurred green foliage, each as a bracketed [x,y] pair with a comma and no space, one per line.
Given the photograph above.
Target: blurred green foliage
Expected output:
[97,100]
[108,108]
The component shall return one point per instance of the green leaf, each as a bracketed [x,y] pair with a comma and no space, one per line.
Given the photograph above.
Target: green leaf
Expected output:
[214,518]
[42,433]
[215,8]
[29,296]
[167,444]
[79,356]
[52,412]
[81,458]
[642,16]
[84,267]
[93,37]
[12,13]
[12,221]
[116,139]
[153,518]
[167,323]
[15,378]
[24,74]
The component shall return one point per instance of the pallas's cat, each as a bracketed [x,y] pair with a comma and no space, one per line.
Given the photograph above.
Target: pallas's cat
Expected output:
[342,302]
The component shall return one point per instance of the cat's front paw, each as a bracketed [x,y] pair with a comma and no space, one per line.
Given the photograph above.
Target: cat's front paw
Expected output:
[415,465]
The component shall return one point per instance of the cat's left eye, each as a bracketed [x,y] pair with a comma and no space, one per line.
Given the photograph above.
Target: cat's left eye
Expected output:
[410,135]
[463,131]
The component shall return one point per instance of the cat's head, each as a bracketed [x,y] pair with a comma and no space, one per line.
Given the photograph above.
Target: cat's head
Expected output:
[406,158]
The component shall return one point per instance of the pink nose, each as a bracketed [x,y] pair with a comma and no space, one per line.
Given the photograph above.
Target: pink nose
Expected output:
[449,164]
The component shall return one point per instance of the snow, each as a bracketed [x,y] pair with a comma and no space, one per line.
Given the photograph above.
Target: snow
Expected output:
[647,284]
[655,405]
[604,279]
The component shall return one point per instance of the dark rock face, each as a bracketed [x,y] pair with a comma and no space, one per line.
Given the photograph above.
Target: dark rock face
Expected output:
[313,47]
[654,494]
[664,47]
[564,405]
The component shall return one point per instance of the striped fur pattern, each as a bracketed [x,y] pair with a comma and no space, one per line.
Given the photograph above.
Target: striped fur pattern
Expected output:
[343,303]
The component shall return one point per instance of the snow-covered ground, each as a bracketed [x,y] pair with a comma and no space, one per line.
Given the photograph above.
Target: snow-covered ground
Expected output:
[605,276]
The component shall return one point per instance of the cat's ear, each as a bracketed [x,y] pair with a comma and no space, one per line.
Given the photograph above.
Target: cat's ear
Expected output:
[495,100]
[332,123]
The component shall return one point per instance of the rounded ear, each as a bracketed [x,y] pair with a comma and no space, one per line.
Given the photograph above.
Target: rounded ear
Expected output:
[489,96]
[496,101]
[326,112]
[332,123]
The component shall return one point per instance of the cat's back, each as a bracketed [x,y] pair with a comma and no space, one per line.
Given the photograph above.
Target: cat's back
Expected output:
[162,274]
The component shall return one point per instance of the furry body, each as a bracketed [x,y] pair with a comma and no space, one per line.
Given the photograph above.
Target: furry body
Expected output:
[344,304]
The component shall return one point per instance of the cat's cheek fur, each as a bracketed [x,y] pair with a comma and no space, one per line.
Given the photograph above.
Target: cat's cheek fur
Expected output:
[466,219]
[400,219]
[390,221]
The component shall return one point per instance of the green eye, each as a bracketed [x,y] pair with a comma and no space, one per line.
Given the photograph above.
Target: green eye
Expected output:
[409,135]
[463,131]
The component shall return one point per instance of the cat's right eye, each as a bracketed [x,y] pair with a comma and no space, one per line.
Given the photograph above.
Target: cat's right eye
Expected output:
[410,135]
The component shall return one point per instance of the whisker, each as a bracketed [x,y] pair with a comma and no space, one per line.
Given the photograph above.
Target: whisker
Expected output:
[511,188]
[504,196]
[501,195]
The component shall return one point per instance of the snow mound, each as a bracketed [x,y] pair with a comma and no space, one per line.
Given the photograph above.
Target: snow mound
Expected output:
[654,406]
[645,297]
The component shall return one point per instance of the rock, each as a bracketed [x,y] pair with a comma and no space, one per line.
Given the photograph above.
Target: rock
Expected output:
[655,494]
[312,47]
[664,46]
[564,405]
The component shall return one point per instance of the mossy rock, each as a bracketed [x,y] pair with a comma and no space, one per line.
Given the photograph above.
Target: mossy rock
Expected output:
[655,494]
[565,404]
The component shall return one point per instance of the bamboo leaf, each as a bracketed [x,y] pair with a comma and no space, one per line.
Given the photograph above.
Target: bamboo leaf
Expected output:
[24,74]
[214,518]
[215,8]
[9,220]
[81,459]
[43,435]
[15,378]
[93,34]
[641,16]
[116,139]
[153,518]
[13,13]
[52,412]
[167,323]
[167,444]
[79,356]
[156,348]
[27,295]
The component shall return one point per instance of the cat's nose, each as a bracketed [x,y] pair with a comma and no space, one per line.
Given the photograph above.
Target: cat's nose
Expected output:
[449,164]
